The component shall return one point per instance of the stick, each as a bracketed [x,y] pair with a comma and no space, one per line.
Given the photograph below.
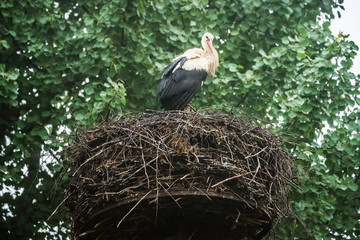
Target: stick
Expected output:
[57,208]
[133,208]
[256,153]
[230,178]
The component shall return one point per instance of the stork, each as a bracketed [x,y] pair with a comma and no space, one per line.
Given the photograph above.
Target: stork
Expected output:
[183,78]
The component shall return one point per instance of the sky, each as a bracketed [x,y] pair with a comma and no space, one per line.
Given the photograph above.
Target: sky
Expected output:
[349,23]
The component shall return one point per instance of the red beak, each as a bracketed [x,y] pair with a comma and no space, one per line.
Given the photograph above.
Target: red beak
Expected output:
[210,46]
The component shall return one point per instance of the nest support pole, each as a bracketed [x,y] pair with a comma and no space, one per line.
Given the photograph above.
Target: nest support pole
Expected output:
[177,175]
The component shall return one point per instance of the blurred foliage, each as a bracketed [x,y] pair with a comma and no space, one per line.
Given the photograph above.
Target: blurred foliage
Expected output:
[72,62]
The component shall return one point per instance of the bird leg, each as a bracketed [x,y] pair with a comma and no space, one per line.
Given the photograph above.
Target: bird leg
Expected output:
[188,108]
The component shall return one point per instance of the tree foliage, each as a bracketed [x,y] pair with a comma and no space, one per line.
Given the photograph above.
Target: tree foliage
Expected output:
[70,62]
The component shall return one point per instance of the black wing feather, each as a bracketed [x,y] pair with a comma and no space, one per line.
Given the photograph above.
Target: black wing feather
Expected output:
[178,88]
[170,68]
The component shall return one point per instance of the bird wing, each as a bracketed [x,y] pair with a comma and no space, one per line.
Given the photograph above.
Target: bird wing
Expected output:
[170,68]
[182,79]
[182,87]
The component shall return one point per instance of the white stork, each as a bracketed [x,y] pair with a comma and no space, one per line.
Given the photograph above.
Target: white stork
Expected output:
[183,78]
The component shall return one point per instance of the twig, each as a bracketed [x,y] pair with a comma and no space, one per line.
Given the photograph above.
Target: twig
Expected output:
[193,233]
[144,166]
[88,160]
[250,156]
[57,208]
[133,207]
[170,195]
[231,178]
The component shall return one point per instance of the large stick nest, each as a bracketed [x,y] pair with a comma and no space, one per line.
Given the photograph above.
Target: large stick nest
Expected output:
[185,175]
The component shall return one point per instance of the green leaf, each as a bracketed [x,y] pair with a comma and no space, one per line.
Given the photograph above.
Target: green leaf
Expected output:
[353,187]
[285,40]
[261,51]
[5,44]
[302,145]
[79,116]
[89,90]
[232,67]
[301,55]
[292,114]
[88,21]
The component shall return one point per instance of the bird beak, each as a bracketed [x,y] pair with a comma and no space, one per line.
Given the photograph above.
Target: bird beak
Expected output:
[210,46]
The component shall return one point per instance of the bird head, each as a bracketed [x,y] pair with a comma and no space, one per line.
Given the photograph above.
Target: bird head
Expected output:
[206,42]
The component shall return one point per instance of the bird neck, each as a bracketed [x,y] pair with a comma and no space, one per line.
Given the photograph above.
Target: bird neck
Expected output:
[212,57]
[208,47]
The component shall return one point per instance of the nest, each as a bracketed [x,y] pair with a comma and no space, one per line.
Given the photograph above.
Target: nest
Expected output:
[177,175]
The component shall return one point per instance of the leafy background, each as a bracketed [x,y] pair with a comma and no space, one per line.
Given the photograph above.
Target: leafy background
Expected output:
[70,62]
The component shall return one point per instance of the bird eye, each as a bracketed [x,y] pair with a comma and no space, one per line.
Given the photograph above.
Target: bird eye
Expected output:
[207,38]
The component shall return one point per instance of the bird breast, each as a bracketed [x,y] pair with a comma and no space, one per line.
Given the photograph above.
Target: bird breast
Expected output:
[199,63]
[198,59]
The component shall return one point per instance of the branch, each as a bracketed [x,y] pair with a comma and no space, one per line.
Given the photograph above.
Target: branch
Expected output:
[233,177]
